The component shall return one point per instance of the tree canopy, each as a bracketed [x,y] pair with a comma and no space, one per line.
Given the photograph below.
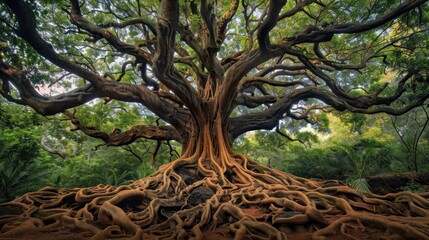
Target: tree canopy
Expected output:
[258,63]
[211,71]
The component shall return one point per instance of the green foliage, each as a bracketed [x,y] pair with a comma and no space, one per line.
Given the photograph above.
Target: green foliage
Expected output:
[14,177]
[106,165]
[351,163]
[18,144]
[360,184]
[24,166]
[356,148]
[20,171]
[318,163]
[355,120]
[412,138]
[413,187]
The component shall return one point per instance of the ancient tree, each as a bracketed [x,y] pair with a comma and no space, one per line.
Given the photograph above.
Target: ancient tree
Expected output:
[211,71]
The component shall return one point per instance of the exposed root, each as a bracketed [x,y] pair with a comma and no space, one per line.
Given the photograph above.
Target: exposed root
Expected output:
[190,197]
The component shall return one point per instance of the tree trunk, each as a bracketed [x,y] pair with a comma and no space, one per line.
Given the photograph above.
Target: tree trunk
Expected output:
[209,145]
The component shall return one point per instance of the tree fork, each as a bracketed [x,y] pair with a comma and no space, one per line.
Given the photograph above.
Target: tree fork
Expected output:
[209,187]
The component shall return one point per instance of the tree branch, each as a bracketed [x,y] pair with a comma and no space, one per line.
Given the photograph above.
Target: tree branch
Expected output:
[42,104]
[163,59]
[155,152]
[118,138]
[27,30]
[315,35]
[287,136]
[226,19]
[268,119]
[77,19]
[254,101]
[129,22]
[274,8]
[48,149]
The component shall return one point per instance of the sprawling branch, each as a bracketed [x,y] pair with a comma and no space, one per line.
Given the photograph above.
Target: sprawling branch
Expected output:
[282,108]
[315,35]
[297,8]
[77,19]
[364,101]
[253,81]
[118,138]
[269,118]
[254,101]
[45,105]
[42,104]
[206,11]
[129,22]
[236,73]
[27,30]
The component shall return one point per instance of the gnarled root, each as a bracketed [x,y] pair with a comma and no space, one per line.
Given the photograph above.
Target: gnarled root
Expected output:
[238,198]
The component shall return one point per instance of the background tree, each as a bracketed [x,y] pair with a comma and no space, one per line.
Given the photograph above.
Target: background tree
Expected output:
[413,136]
[212,71]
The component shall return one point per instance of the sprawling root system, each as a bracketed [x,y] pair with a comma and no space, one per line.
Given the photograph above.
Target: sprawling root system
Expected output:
[194,198]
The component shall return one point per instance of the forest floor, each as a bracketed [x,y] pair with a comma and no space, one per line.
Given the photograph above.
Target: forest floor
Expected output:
[224,233]
[383,184]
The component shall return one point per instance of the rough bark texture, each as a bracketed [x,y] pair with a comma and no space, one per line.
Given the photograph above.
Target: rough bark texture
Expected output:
[210,189]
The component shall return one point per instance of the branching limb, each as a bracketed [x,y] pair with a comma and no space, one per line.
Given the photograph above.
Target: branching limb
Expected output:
[129,22]
[42,104]
[48,149]
[133,153]
[77,19]
[274,8]
[252,81]
[118,138]
[254,101]
[50,105]
[155,152]
[315,35]
[148,81]
[287,136]
[27,30]
[364,102]
[163,59]
[211,44]
[299,6]
[225,20]
[206,11]
[173,152]
[268,119]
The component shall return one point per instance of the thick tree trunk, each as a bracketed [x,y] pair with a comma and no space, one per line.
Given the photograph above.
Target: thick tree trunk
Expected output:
[209,145]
